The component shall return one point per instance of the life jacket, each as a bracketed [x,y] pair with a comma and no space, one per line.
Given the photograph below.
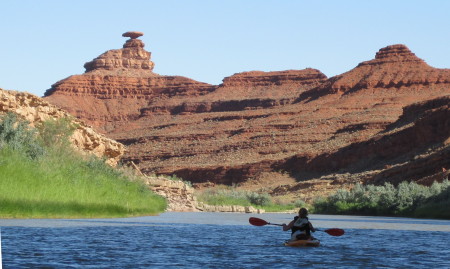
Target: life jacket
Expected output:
[301,224]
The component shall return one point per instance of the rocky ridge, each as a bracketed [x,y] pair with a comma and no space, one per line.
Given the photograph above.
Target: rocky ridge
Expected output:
[35,110]
[255,124]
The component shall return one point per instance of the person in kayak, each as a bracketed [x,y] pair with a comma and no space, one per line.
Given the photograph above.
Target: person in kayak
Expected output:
[300,226]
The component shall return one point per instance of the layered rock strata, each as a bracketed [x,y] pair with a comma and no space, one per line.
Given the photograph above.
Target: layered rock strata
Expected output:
[180,197]
[117,87]
[295,122]
[395,68]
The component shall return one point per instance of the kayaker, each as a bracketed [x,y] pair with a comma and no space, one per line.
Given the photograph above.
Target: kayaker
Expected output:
[300,226]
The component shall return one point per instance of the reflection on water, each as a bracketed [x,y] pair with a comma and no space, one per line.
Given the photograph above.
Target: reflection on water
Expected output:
[222,240]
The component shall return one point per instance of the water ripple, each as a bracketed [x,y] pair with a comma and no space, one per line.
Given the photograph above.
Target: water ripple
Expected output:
[199,245]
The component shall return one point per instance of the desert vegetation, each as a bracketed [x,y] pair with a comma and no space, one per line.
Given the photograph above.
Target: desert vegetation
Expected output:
[234,196]
[42,176]
[407,199]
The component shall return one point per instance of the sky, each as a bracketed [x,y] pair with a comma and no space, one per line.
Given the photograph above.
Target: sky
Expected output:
[48,40]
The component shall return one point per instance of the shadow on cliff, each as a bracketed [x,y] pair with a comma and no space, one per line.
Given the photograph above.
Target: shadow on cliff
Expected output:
[413,152]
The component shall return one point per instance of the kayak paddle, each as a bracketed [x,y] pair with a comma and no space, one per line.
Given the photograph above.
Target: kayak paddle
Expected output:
[261,222]
[333,231]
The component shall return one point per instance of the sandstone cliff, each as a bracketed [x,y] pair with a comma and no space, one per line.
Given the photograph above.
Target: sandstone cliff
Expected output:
[84,138]
[117,88]
[287,125]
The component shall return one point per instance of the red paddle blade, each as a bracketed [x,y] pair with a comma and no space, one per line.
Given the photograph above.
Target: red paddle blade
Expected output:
[257,221]
[335,232]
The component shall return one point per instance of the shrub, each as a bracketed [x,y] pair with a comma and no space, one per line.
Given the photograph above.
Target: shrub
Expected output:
[17,135]
[408,198]
[255,198]
[300,203]
[223,197]
[234,197]
[56,132]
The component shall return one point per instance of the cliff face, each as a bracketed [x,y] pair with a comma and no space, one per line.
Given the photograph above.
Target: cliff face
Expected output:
[36,110]
[395,68]
[117,87]
[255,124]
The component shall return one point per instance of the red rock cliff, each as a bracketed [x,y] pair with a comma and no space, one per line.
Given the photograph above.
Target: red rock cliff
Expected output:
[255,123]
[117,85]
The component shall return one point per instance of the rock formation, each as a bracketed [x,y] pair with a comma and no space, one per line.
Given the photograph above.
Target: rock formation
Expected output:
[118,85]
[180,197]
[132,60]
[36,110]
[296,124]
[395,68]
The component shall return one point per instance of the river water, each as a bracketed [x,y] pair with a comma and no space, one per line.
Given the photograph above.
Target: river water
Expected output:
[222,240]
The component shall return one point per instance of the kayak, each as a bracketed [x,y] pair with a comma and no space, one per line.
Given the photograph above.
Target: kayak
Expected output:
[302,243]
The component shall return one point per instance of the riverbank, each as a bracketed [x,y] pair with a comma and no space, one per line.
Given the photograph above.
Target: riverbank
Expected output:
[42,176]
[70,188]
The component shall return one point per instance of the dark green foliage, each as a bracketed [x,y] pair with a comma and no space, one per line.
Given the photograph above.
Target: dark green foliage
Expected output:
[407,199]
[436,206]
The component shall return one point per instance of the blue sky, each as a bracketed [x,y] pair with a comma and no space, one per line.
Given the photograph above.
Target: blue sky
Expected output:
[45,41]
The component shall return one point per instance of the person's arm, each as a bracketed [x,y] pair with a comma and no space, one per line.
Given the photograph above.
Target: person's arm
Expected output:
[311,227]
[288,227]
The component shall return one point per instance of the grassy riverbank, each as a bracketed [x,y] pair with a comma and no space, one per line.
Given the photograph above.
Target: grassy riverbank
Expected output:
[232,196]
[408,199]
[42,177]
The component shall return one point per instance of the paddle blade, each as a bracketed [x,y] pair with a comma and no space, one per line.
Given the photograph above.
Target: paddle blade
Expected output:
[335,232]
[257,221]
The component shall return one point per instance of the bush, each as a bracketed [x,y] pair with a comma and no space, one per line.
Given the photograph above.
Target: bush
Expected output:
[300,203]
[234,197]
[407,199]
[56,132]
[17,135]
[262,199]
[436,206]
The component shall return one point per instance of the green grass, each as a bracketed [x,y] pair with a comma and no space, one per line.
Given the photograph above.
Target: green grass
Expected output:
[232,196]
[69,187]
[54,181]
[224,197]
[273,207]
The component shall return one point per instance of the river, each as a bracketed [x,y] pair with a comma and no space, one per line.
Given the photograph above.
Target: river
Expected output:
[222,240]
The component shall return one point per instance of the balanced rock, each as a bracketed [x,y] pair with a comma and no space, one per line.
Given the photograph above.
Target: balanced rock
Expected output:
[133,34]
[117,87]
[132,59]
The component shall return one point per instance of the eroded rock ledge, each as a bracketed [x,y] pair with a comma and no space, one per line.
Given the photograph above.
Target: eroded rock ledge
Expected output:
[36,110]
[180,197]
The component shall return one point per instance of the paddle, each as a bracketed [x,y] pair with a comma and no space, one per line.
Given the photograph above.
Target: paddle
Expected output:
[261,222]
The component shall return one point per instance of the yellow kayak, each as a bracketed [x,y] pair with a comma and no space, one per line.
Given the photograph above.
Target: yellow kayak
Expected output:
[302,243]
